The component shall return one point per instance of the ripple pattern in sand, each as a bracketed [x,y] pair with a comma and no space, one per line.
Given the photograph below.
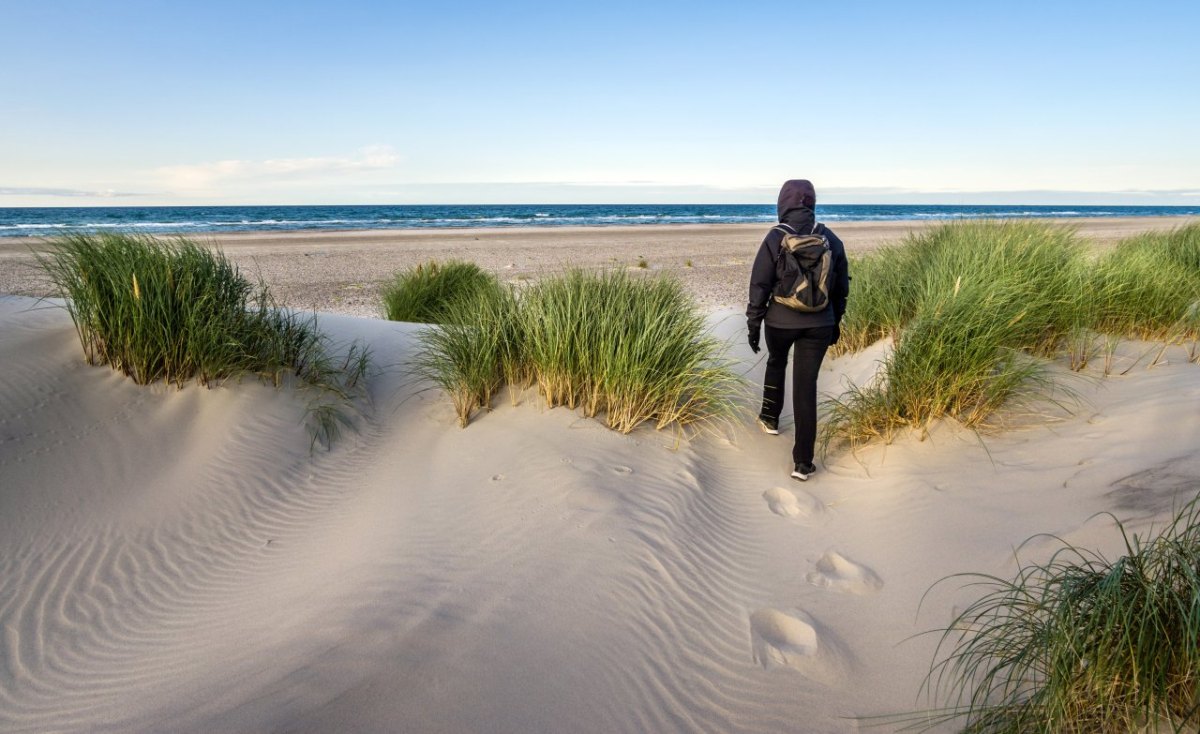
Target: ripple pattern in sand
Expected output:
[405,563]
[88,617]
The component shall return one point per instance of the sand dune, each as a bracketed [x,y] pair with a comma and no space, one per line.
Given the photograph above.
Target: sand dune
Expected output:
[176,560]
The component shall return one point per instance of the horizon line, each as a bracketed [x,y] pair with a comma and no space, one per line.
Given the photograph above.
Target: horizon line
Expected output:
[588,204]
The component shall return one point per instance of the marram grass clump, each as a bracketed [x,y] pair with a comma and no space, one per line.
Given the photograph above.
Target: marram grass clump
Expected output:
[968,305]
[426,293]
[629,350]
[475,351]
[1148,286]
[634,350]
[1082,644]
[176,311]
[976,309]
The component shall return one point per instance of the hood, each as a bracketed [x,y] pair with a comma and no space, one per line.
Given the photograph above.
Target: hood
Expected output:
[796,194]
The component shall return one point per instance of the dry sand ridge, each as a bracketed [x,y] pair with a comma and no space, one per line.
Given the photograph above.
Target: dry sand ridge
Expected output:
[177,560]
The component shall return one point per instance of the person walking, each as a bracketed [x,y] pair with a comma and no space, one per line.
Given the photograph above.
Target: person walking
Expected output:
[809,333]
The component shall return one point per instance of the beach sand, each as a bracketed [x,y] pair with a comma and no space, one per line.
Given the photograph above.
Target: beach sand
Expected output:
[177,560]
[341,272]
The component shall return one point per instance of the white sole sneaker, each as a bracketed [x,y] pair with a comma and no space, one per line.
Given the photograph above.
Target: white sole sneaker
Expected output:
[767,429]
[802,476]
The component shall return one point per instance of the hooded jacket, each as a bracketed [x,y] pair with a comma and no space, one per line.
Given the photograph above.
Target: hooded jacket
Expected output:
[797,198]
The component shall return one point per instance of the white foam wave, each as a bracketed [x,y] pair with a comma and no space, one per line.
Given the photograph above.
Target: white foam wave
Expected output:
[272,219]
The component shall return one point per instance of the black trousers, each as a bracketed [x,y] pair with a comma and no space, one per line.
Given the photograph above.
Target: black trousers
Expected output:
[810,346]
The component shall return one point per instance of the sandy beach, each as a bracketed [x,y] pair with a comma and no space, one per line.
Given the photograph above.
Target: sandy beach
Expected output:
[553,496]
[177,559]
[341,272]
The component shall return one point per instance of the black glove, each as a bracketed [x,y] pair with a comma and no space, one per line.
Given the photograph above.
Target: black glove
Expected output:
[837,334]
[752,339]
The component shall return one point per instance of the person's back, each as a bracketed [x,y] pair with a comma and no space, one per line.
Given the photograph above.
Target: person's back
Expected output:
[810,333]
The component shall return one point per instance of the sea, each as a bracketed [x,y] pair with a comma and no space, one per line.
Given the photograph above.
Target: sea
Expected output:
[43,221]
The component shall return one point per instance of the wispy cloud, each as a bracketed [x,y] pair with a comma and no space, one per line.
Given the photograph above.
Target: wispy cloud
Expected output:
[68,193]
[1166,192]
[664,184]
[562,192]
[205,175]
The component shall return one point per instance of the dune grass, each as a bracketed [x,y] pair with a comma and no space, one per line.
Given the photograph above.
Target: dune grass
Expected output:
[631,350]
[634,350]
[425,293]
[882,303]
[474,351]
[176,311]
[1081,643]
[975,308]
[967,304]
[1148,286]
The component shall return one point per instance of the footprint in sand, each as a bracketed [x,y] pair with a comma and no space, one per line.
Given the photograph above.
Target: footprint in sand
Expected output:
[791,503]
[835,571]
[793,639]
[497,477]
[622,470]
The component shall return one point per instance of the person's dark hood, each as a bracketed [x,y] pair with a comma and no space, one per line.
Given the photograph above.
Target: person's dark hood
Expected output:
[796,194]
[797,198]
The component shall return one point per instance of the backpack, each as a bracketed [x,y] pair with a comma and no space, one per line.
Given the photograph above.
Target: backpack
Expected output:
[802,270]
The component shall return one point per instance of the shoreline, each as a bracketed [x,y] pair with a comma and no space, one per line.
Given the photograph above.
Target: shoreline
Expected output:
[1096,224]
[342,271]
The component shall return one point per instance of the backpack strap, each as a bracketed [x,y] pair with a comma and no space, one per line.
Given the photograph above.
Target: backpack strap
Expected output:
[784,230]
[789,229]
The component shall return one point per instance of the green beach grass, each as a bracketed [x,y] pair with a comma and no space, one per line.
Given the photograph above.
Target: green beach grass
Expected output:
[176,311]
[425,293]
[633,349]
[629,350]
[969,305]
[475,350]
[1081,643]
[1148,286]
[977,309]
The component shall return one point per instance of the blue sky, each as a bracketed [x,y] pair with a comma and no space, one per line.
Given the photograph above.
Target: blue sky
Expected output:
[142,103]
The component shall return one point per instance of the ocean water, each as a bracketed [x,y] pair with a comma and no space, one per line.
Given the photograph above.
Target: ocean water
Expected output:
[42,221]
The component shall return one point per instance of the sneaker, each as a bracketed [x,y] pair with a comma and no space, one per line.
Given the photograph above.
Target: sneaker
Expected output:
[803,471]
[768,424]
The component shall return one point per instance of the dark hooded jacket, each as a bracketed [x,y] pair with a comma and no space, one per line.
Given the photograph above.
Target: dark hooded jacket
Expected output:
[797,199]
